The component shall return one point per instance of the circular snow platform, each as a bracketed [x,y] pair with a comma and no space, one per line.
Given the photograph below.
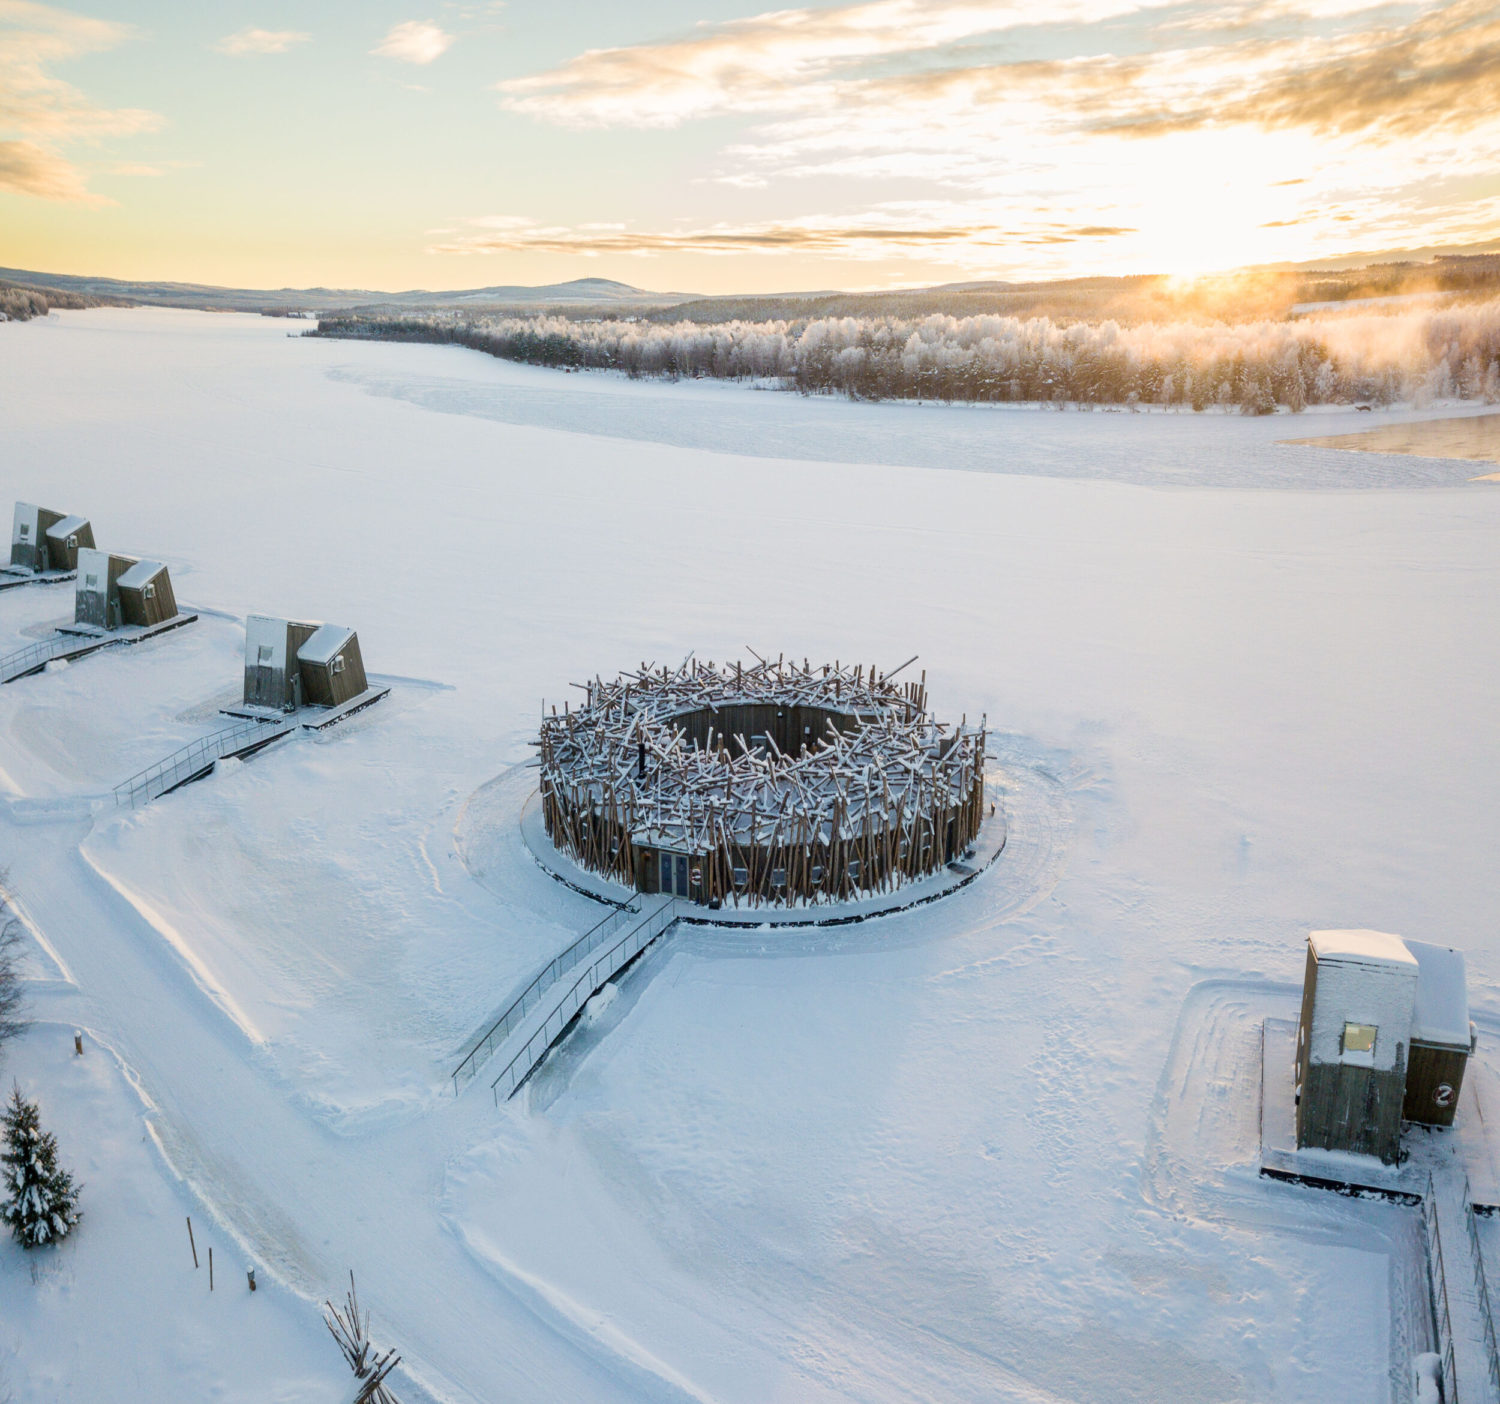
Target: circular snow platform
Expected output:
[769,786]
[988,845]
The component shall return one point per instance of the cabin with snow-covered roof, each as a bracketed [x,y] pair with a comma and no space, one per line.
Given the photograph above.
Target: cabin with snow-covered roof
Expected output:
[332,670]
[291,663]
[1384,1037]
[43,541]
[96,597]
[1442,1038]
[146,596]
[115,591]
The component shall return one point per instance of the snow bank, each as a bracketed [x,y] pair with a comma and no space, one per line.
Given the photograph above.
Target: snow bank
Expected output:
[86,1320]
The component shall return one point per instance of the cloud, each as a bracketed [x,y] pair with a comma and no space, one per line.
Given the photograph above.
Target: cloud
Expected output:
[1439,71]
[261,41]
[32,38]
[762,62]
[1177,67]
[39,112]
[415,41]
[871,237]
[29,169]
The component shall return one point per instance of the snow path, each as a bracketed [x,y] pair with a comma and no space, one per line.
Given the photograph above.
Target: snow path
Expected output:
[280,1182]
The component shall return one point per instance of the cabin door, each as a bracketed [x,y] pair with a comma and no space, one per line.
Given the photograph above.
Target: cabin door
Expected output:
[675,874]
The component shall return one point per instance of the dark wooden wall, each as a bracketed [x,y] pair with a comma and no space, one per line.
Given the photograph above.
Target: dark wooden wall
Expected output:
[1434,1067]
[1349,1108]
[792,728]
[143,607]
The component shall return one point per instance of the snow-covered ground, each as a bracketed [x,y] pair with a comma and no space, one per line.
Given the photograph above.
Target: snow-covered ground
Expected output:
[1000,1147]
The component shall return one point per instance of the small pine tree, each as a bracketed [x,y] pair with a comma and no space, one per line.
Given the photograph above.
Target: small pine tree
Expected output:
[41,1202]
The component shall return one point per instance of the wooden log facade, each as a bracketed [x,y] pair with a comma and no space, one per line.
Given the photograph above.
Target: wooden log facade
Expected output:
[763,785]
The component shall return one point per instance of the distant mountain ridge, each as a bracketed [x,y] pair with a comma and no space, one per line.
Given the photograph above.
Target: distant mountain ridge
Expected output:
[579,292]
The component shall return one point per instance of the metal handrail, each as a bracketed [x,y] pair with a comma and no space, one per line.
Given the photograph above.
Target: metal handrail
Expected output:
[527,1000]
[582,990]
[1482,1289]
[197,755]
[22,661]
[1437,1286]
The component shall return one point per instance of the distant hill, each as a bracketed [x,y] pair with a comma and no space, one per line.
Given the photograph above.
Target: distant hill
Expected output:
[579,293]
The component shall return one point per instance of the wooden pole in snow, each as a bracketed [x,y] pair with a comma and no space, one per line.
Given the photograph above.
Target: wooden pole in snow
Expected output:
[191,1244]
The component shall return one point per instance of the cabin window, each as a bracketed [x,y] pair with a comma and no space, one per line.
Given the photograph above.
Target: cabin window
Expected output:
[778,877]
[25,530]
[338,663]
[72,543]
[90,582]
[148,591]
[263,654]
[1359,1038]
[817,872]
[854,870]
[741,877]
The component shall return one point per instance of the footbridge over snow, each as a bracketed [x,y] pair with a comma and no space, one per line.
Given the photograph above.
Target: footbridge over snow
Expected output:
[541,1013]
[1460,1294]
[71,643]
[198,759]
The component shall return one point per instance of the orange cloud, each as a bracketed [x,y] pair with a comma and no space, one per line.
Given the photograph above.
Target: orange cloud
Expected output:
[28,169]
[850,239]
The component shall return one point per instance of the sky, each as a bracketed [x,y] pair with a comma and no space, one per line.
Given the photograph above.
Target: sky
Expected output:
[722,147]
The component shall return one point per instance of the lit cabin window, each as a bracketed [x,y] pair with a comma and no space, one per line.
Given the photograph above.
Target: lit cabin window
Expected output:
[1359,1038]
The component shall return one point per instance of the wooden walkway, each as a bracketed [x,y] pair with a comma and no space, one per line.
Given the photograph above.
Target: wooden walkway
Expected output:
[539,1016]
[1460,1292]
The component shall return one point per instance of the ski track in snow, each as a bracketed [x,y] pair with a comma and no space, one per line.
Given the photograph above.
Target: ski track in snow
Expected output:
[1002,1147]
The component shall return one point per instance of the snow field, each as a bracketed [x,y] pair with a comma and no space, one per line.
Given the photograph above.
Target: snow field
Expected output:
[117,1310]
[993,1148]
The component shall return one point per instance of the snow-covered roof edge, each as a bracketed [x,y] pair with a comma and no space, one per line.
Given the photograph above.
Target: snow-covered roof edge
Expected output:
[1442,1011]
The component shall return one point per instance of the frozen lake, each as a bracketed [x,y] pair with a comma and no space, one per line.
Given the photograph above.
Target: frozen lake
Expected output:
[1000,1148]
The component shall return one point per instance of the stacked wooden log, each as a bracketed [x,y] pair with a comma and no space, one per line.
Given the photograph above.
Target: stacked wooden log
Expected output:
[883,795]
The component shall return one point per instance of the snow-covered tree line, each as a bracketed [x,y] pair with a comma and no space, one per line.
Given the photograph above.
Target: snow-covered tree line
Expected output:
[21,304]
[1416,355]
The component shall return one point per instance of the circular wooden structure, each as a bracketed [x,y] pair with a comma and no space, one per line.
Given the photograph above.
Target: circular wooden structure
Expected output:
[770,784]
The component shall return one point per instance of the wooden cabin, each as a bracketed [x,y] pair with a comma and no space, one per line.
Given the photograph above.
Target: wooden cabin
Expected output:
[331,667]
[273,677]
[1442,1038]
[42,540]
[291,663]
[96,597]
[1353,1043]
[1384,1038]
[146,596]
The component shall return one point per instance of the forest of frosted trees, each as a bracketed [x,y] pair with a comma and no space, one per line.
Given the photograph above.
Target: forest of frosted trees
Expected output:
[1413,354]
[21,304]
